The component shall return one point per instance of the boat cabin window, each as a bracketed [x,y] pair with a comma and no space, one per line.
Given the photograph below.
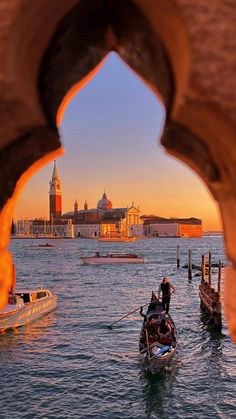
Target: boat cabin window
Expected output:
[41,294]
[12,299]
[25,297]
[33,296]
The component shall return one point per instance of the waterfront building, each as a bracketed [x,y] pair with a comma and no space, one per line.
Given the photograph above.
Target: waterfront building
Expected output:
[154,226]
[44,228]
[24,227]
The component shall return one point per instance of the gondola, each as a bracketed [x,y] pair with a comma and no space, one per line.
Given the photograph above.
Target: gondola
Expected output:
[155,355]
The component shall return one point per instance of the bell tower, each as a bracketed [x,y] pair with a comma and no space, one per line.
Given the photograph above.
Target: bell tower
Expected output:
[76,207]
[55,195]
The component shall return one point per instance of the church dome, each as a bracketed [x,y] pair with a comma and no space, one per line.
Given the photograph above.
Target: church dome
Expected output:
[104,203]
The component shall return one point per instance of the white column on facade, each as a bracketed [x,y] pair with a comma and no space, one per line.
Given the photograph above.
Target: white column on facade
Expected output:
[129,224]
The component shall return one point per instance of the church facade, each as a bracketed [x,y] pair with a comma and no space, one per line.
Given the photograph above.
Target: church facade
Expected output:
[102,221]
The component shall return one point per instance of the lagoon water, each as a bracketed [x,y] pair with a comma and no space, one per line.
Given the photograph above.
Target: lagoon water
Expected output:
[69,364]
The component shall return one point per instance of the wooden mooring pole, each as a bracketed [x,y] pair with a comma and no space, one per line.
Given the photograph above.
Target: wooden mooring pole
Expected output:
[13,285]
[210,269]
[203,268]
[178,257]
[190,264]
[210,300]
[219,279]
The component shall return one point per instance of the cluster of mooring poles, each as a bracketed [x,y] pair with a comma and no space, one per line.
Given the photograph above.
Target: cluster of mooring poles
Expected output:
[210,298]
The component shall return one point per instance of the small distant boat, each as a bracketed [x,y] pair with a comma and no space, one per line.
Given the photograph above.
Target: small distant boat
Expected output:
[26,306]
[40,246]
[155,356]
[45,245]
[112,258]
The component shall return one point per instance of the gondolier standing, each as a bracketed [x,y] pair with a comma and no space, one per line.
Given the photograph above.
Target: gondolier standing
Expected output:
[167,289]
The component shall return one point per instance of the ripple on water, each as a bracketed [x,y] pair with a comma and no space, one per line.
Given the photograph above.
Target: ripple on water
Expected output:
[70,364]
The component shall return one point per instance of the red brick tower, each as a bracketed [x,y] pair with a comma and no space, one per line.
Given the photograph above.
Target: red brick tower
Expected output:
[55,195]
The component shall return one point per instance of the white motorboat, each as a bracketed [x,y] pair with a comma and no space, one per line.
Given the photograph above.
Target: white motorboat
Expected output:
[26,306]
[112,258]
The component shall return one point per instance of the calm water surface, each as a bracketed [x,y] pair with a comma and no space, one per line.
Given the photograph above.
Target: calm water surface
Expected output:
[69,364]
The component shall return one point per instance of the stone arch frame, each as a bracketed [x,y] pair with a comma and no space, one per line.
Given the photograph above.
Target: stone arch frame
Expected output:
[162,42]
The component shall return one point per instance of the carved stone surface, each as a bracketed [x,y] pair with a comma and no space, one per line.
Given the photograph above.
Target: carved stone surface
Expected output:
[229,299]
[212,33]
[20,155]
[84,37]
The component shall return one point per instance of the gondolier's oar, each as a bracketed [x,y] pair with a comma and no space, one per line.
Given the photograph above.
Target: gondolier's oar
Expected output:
[131,312]
[148,350]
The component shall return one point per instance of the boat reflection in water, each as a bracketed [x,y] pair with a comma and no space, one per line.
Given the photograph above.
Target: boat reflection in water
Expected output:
[26,306]
[157,388]
[112,258]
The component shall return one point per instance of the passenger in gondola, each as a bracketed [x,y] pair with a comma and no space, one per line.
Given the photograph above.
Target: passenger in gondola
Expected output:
[150,334]
[151,327]
[164,331]
[97,254]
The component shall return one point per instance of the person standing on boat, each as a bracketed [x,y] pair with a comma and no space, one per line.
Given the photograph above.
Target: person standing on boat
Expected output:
[166,288]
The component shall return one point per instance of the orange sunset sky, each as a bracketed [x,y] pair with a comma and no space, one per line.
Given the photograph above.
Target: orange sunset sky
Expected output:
[111,133]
